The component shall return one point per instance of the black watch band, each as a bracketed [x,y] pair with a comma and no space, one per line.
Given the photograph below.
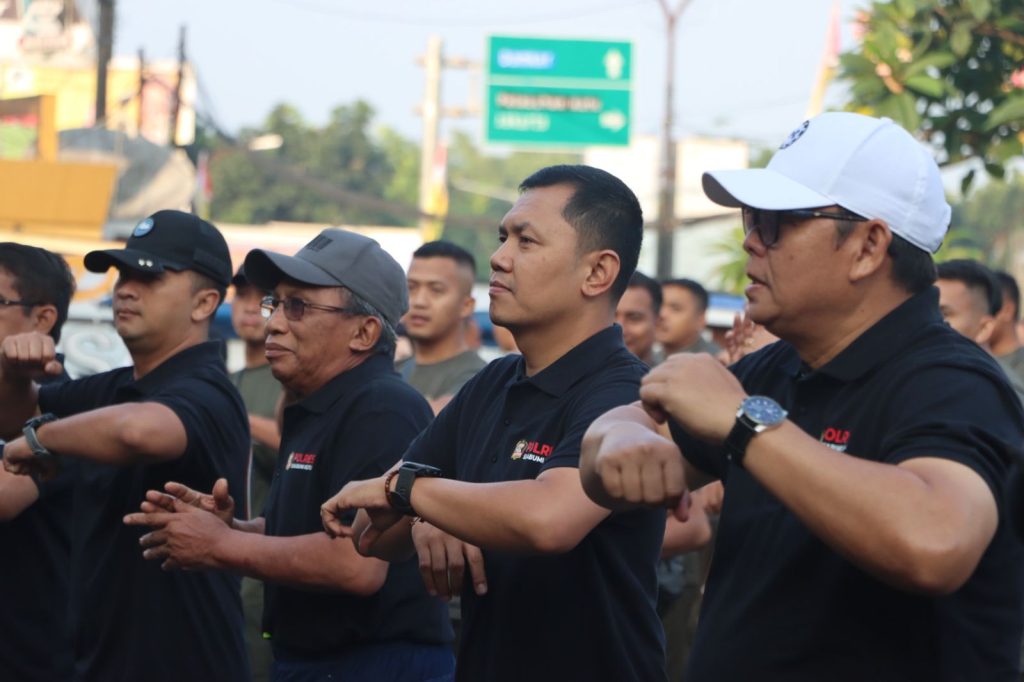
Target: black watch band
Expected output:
[401,497]
[738,439]
[32,439]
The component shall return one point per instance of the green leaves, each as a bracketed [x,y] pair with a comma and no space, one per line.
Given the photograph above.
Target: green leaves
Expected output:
[1011,110]
[943,69]
[961,38]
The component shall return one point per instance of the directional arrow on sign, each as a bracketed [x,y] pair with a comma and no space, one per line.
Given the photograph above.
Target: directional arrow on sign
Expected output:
[614,63]
[613,120]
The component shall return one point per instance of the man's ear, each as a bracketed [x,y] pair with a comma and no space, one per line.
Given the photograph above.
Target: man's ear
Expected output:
[204,304]
[602,270]
[366,335]
[985,330]
[43,318]
[870,242]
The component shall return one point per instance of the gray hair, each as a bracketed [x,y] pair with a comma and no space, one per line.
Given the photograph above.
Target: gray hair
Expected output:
[388,338]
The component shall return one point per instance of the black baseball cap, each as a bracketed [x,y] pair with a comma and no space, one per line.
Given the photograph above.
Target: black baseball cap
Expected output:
[334,258]
[169,240]
[240,280]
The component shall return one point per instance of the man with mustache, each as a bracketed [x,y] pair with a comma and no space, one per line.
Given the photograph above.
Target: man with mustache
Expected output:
[329,612]
[173,415]
[865,532]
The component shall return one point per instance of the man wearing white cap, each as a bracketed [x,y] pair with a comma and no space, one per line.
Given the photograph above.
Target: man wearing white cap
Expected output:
[864,533]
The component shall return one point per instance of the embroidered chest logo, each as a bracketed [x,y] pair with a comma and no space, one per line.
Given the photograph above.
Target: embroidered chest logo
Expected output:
[532,450]
[835,438]
[300,460]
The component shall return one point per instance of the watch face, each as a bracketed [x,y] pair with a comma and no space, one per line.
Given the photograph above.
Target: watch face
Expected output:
[762,410]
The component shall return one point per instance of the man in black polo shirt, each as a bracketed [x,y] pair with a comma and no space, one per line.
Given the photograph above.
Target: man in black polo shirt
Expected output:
[330,613]
[172,416]
[35,516]
[569,590]
[865,537]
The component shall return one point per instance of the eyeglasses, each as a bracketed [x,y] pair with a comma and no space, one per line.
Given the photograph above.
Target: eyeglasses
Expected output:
[27,304]
[295,308]
[767,222]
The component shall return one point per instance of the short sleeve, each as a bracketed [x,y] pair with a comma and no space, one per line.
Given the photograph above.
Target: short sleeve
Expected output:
[216,426]
[66,398]
[621,390]
[957,414]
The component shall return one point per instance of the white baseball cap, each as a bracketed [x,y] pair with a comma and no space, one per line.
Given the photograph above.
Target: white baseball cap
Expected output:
[869,166]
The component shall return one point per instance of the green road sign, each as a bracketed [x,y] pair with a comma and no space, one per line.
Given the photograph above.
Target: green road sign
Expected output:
[558,93]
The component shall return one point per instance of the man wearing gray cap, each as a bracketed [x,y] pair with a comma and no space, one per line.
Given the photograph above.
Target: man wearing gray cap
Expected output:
[173,415]
[865,531]
[329,612]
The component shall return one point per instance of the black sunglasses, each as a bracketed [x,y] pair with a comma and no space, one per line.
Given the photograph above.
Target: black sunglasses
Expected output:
[27,304]
[295,308]
[767,222]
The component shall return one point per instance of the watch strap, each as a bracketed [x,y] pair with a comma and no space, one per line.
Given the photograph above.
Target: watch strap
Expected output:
[739,438]
[32,439]
[401,497]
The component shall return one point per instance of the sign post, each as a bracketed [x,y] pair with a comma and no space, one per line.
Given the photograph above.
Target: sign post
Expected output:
[543,92]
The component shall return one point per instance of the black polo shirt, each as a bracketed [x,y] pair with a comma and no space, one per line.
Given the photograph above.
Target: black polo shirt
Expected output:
[780,604]
[588,614]
[35,636]
[353,428]
[132,620]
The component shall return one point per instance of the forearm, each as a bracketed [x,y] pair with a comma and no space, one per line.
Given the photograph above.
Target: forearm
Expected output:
[314,562]
[513,516]
[119,434]
[887,519]
[394,544]
[265,431]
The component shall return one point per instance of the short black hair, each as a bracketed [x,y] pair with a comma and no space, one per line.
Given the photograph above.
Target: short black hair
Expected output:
[639,280]
[202,281]
[446,249]
[694,287]
[40,277]
[1010,290]
[603,210]
[974,275]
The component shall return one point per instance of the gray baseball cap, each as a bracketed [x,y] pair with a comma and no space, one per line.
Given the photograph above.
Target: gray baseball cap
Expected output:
[334,258]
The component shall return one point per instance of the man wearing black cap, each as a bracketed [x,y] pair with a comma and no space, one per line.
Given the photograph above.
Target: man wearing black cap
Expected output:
[329,613]
[172,416]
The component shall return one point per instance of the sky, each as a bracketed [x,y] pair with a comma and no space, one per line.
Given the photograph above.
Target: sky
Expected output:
[745,68]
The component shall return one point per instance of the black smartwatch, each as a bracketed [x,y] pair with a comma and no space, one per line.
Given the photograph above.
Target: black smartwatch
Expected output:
[401,496]
[757,414]
[39,450]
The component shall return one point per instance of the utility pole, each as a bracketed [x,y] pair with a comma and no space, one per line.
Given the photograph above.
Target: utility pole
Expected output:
[142,89]
[431,112]
[434,62]
[667,173]
[172,138]
[104,49]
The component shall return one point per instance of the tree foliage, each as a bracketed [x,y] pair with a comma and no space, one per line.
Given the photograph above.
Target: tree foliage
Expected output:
[989,220]
[343,153]
[950,70]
